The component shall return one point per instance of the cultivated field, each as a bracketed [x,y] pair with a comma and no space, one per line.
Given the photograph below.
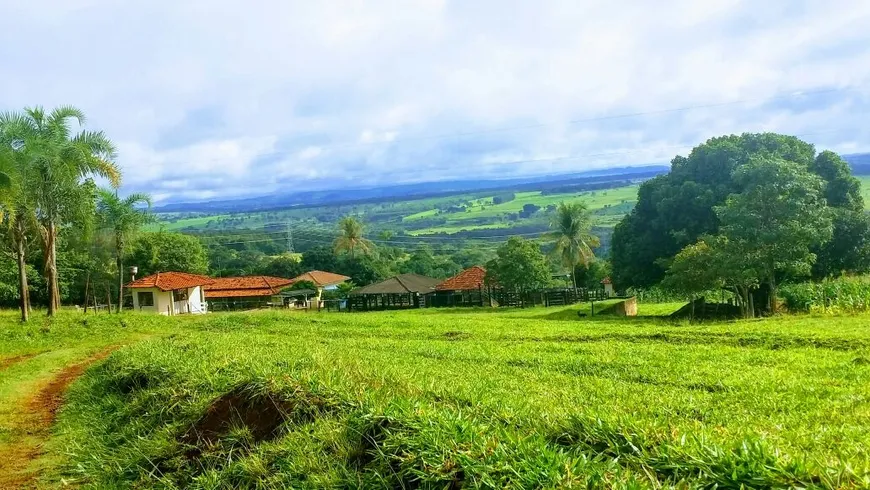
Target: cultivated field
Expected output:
[437,399]
[608,206]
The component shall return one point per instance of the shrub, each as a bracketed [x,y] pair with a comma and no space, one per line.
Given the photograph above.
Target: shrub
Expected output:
[841,295]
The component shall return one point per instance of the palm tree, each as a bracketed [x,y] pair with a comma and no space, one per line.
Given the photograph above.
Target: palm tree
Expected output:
[122,218]
[16,216]
[59,160]
[351,237]
[572,232]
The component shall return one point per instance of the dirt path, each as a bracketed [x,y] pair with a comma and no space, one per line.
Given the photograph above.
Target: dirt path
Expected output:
[9,361]
[39,412]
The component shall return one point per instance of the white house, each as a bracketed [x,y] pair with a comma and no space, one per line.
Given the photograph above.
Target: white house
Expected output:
[170,293]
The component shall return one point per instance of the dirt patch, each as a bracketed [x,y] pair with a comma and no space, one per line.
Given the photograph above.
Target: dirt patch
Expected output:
[261,415]
[49,399]
[9,361]
[41,411]
[456,335]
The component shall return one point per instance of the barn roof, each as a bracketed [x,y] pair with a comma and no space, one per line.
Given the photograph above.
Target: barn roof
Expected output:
[471,278]
[169,281]
[246,286]
[321,278]
[401,284]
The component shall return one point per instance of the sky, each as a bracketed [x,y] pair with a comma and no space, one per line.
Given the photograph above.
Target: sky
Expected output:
[216,99]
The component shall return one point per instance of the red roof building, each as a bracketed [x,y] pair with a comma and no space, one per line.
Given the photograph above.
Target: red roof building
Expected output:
[246,287]
[170,281]
[321,279]
[170,293]
[471,278]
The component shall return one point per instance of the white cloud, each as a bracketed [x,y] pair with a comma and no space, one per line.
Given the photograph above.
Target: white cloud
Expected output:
[234,99]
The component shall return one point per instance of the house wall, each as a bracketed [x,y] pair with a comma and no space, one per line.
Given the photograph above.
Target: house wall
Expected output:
[195,299]
[162,300]
[164,305]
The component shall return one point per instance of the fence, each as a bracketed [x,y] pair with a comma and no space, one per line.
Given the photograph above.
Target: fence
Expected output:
[506,298]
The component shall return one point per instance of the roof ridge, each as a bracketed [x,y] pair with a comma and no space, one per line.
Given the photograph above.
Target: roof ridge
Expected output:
[399,280]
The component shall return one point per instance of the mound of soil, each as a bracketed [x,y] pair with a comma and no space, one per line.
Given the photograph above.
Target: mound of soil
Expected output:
[261,414]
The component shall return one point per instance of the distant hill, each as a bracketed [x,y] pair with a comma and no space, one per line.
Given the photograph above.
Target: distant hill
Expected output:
[860,163]
[581,181]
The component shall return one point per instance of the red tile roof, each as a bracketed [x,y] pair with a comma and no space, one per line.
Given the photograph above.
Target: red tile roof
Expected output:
[471,278]
[606,280]
[169,281]
[247,286]
[321,279]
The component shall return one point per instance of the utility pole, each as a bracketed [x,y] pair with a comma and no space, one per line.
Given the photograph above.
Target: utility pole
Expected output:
[289,238]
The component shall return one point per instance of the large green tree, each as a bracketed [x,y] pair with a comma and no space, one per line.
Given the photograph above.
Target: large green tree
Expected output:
[777,219]
[122,218]
[676,209]
[710,264]
[519,266]
[572,232]
[165,251]
[59,158]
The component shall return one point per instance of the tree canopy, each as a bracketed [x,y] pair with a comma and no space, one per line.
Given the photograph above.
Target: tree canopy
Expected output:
[167,251]
[519,266]
[675,210]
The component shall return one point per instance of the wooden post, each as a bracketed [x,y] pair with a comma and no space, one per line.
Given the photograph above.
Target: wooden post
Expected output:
[87,286]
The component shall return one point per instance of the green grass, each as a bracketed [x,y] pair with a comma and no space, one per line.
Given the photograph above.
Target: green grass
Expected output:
[608,207]
[865,189]
[457,228]
[490,398]
[199,222]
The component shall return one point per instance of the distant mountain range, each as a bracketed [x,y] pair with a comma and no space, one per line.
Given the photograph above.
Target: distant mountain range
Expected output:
[860,163]
[580,181]
[589,180]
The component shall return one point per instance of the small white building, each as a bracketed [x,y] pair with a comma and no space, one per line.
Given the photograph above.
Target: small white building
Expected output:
[608,287]
[170,293]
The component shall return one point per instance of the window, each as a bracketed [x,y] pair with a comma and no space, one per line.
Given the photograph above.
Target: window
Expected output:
[181,295]
[146,298]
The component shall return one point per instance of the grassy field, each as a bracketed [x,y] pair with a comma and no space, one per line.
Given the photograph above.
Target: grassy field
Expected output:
[449,398]
[179,224]
[608,206]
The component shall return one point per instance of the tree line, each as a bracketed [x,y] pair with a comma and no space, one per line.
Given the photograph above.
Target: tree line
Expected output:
[48,162]
[65,238]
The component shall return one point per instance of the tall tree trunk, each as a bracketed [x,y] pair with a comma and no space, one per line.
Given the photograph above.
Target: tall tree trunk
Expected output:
[50,239]
[87,287]
[751,305]
[119,245]
[771,299]
[23,290]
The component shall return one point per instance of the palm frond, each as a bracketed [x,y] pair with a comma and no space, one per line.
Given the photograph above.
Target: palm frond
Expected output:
[60,115]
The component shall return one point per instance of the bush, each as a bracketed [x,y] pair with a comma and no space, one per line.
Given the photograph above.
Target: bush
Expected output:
[841,295]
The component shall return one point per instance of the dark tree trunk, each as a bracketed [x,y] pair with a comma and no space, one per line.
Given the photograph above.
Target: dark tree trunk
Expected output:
[87,289]
[50,258]
[23,289]
[119,245]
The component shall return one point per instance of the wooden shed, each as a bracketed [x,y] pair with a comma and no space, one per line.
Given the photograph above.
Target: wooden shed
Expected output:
[398,292]
[468,288]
